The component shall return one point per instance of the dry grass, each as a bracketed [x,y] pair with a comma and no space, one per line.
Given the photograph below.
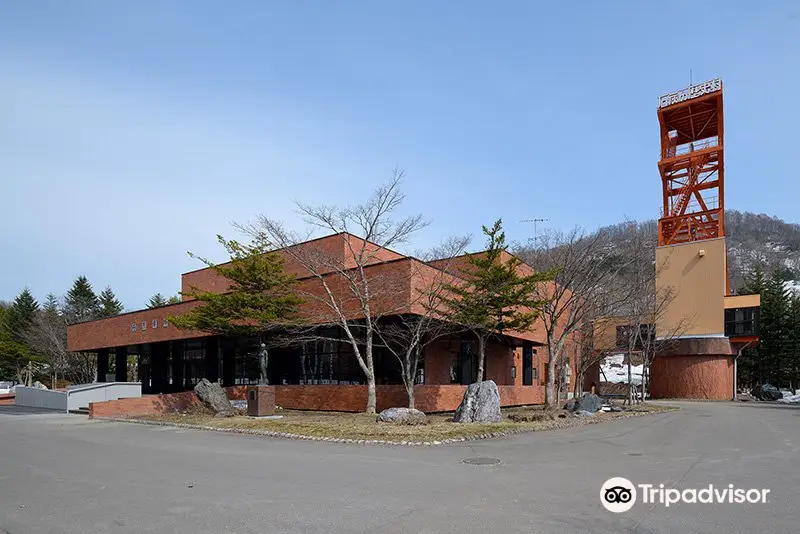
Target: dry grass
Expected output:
[360,426]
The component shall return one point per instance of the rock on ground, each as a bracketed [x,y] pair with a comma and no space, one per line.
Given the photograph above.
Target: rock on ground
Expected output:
[213,396]
[481,404]
[589,402]
[402,416]
[570,405]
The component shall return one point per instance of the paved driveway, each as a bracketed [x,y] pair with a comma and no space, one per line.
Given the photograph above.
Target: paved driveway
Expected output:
[61,473]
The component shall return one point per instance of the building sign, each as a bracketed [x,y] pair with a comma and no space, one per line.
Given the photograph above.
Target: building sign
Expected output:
[153,324]
[693,91]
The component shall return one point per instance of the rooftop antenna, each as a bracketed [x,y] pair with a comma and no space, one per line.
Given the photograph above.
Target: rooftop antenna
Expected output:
[535,222]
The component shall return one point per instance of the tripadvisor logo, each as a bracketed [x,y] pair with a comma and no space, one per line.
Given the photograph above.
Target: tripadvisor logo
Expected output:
[619,495]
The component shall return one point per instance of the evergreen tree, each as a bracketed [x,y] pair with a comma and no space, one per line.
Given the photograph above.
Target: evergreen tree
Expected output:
[156,301]
[774,333]
[494,296]
[793,349]
[773,360]
[14,354]
[174,299]
[21,314]
[81,303]
[51,306]
[261,296]
[109,303]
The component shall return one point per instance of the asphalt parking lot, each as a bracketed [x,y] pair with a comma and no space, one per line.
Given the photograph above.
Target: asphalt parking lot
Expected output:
[64,473]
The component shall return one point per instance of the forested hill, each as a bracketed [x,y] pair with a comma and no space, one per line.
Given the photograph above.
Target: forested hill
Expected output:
[751,239]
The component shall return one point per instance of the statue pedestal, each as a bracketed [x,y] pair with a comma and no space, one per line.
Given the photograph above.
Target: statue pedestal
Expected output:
[260,401]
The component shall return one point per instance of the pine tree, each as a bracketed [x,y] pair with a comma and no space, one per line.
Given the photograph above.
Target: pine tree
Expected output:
[493,297]
[21,314]
[109,303]
[174,299]
[156,301]
[51,306]
[261,296]
[81,303]
[793,349]
[774,332]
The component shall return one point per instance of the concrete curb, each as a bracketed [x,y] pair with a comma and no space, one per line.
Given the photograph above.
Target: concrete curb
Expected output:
[287,435]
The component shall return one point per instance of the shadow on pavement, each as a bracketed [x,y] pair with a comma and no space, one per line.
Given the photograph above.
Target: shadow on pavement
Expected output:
[26,410]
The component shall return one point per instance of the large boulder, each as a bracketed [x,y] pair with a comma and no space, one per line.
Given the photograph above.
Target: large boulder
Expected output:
[213,396]
[589,403]
[481,404]
[402,416]
[766,392]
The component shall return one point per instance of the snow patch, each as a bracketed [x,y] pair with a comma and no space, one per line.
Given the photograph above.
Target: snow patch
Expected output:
[789,399]
[615,370]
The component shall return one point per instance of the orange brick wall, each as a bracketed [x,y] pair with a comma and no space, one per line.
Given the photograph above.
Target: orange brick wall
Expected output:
[692,377]
[323,398]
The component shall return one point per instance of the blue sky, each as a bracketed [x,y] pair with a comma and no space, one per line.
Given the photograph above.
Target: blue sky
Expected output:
[132,132]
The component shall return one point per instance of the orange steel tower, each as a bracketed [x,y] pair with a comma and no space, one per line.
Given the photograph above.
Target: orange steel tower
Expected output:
[691,164]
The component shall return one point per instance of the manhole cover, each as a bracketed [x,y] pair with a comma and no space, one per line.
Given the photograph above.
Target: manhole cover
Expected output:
[481,461]
[634,454]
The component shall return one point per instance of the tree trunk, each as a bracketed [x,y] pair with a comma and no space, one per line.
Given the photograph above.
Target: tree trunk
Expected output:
[644,381]
[630,382]
[481,357]
[371,396]
[550,390]
[410,392]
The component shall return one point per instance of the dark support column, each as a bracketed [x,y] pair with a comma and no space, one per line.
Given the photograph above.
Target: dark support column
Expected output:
[228,362]
[159,352]
[212,359]
[102,365]
[177,365]
[121,362]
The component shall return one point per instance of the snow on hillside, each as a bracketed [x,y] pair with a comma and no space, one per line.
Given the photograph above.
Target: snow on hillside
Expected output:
[613,369]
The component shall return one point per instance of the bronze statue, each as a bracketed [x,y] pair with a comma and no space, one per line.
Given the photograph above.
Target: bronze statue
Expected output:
[263,358]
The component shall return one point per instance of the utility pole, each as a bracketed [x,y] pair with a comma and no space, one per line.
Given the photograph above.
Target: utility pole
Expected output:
[535,222]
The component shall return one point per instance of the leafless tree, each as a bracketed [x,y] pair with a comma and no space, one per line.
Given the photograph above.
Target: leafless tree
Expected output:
[587,353]
[406,336]
[350,291]
[586,268]
[47,336]
[646,305]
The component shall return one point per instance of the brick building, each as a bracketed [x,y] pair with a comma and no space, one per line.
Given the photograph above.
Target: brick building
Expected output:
[313,374]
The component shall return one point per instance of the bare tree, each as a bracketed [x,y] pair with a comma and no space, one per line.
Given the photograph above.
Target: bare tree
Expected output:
[586,269]
[587,352]
[646,305]
[351,291]
[47,336]
[406,336]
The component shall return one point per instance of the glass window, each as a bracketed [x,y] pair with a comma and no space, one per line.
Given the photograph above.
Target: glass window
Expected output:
[193,362]
[527,366]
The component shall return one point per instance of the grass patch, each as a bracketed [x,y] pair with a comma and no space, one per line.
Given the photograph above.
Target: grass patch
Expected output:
[360,426]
